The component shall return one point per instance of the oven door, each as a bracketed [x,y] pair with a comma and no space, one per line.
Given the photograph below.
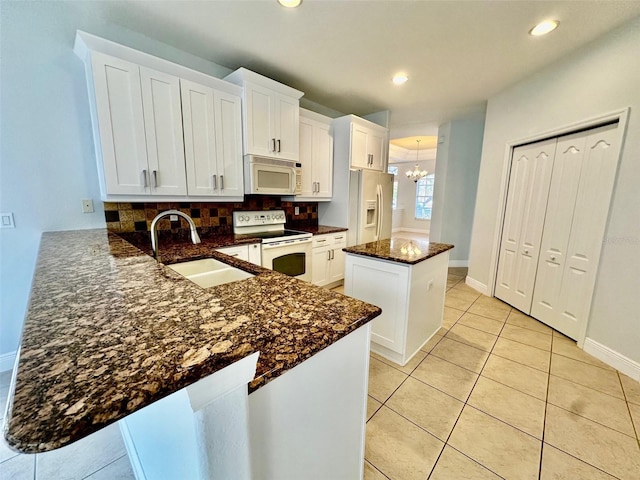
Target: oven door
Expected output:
[291,257]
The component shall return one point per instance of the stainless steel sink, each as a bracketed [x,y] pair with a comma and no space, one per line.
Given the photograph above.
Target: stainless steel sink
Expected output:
[209,272]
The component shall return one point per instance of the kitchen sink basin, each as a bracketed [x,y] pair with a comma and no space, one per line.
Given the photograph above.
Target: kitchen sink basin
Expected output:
[209,272]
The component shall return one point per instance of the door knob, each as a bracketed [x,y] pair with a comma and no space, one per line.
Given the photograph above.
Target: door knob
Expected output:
[526,252]
[553,259]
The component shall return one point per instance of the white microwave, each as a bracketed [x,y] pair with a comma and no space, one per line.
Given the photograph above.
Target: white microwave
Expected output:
[271,176]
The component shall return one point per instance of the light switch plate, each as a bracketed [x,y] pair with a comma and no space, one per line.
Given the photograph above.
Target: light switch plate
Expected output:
[6,220]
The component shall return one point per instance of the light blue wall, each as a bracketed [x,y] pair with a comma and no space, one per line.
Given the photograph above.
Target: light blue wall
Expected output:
[46,152]
[457,169]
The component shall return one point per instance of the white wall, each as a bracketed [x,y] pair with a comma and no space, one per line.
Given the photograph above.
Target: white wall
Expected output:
[599,78]
[47,156]
[456,181]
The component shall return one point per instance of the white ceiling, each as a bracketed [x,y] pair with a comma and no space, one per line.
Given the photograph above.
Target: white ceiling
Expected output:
[342,54]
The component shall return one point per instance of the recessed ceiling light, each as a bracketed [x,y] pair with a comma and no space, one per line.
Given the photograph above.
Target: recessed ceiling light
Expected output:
[544,27]
[400,78]
[290,3]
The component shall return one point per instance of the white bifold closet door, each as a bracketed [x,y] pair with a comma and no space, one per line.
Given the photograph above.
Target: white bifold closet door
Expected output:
[581,187]
[557,207]
[531,168]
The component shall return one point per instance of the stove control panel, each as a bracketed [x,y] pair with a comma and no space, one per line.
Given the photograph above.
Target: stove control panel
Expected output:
[261,217]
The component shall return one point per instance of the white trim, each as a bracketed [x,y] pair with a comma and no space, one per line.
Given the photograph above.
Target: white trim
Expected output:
[136,466]
[476,285]
[7,360]
[618,361]
[412,230]
[458,263]
[621,115]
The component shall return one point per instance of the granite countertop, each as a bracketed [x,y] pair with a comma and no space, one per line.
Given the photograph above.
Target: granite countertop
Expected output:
[401,250]
[109,330]
[321,229]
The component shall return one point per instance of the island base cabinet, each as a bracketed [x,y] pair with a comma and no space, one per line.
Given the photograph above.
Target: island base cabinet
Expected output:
[309,423]
[411,298]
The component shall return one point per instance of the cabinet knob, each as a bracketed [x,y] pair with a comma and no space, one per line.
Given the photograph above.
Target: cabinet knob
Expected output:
[553,259]
[526,252]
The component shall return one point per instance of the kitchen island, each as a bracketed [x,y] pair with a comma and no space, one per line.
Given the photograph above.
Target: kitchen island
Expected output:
[109,332]
[407,279]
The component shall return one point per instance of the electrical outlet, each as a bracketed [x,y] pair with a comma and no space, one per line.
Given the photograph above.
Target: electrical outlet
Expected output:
[87,206]
[297,210]
[173,218]
[6,220]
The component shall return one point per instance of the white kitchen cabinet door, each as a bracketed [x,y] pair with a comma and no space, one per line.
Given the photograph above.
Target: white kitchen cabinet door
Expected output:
[121,124]
[199,127]
[307,189]
[359,153]
[376,147]
[590,208]
[163,128]
[337,262]
[322,166]
[385,285]
[228,123]
[316,157]
[287,118]
[320,266]
[527,195]
[260,109]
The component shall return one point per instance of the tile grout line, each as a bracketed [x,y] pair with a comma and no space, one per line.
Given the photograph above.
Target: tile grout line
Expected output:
[462,410]
[626,399]
[105,466]
[546,404]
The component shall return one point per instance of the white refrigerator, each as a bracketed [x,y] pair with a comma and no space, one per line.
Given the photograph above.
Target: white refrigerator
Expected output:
[370,198]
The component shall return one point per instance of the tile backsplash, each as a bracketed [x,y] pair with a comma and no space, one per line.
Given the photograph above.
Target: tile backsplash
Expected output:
[212,217]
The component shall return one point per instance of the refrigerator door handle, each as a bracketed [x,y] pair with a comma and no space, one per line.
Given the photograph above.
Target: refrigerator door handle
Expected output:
[379,202]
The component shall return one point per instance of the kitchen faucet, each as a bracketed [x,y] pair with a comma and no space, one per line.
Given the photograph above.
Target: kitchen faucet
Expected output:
[195,238]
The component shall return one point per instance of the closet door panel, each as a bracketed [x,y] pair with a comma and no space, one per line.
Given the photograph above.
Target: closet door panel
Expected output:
[587,229]
[524,218]
[557,225]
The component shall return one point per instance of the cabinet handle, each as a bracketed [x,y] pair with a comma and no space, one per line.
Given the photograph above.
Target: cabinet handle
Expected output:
[323,240]
[233,254]
[318,190]
[278,145]
[333,254]
[215,182]
[273,143]
[221,182]
[144,178]
[338,238]
[155,179]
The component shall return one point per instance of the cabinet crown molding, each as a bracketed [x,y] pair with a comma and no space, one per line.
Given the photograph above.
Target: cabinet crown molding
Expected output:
[242,76]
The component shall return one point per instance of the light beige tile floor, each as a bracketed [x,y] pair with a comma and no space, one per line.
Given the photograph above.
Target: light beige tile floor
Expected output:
[498,394]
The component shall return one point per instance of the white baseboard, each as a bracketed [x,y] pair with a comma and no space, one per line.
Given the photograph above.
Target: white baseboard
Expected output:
[476,285]
[612,358]
[412,230]
[7,360]
[458,263]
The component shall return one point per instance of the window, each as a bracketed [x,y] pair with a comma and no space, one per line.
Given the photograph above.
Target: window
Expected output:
[424,197]
[394,172]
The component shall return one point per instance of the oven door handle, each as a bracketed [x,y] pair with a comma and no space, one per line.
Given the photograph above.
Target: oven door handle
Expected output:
[290,243]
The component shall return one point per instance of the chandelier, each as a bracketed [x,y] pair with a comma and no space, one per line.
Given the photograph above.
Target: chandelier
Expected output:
[416,174]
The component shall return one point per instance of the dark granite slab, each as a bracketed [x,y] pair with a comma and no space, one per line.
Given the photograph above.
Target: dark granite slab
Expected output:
[321,229]
[109,330]
[400,250]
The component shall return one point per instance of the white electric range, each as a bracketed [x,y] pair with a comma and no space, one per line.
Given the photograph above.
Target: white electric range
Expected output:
[283,250]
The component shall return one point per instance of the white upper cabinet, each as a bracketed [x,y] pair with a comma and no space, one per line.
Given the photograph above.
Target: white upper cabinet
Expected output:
[270,115]
[213,141]
[316,157]
[148,114]
[118,105]
[366,142]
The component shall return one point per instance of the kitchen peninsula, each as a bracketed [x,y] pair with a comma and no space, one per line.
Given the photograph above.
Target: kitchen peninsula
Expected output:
[111,333]
[407,279]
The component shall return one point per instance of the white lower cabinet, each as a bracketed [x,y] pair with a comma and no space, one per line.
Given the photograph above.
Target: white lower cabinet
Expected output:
[327,259]
[248,253]
[411,298]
